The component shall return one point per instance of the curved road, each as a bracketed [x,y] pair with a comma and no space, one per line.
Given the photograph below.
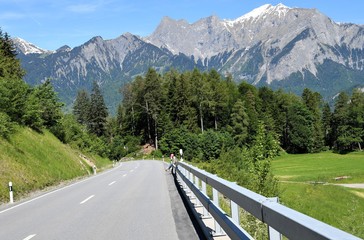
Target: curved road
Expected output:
[136,200]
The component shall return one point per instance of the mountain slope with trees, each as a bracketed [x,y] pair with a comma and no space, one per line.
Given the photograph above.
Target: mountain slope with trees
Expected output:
[276,46]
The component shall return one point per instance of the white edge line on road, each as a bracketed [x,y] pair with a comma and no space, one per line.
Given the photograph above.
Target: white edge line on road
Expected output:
[30,237]
[124,175]
[87,199]
[60,189]
[112,183]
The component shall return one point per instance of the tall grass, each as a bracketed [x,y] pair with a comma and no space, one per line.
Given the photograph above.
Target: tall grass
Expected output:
[34,161]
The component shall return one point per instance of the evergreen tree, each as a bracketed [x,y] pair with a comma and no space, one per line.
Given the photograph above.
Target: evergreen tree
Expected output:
[98,112]
[300,129]
[81,107]
[340,124]
[51,108]
[312,100]
[356,121]
[153,103]
[219,97]
[13,90]
[239,123]
[9,65]
[183,105]
[135,121]
[326,125]
[32,111]
[201,96]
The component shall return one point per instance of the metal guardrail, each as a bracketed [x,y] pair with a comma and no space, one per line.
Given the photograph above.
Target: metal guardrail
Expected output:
[288,222]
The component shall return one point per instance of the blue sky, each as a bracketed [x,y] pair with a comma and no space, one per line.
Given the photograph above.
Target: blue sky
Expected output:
[51,24]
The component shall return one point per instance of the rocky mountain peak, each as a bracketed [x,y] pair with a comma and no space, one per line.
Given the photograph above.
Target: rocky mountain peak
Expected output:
[27,47]
[64,48]
[279,10]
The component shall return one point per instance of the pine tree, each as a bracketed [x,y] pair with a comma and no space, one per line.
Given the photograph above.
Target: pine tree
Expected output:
[300,129]
[98,112]
[9,64]
[153,103]
[326,125]
[81,107]
[356,121]
[239,123]
[13,90]
[312,100]
[51,108]
[341,125]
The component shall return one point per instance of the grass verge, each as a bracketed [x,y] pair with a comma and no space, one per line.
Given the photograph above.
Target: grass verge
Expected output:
[34,161]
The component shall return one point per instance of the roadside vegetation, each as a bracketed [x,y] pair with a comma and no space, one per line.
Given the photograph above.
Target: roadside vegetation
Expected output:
[34,161]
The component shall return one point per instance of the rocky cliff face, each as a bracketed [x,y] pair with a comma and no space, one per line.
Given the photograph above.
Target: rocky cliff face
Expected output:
[268,44]
[289,48]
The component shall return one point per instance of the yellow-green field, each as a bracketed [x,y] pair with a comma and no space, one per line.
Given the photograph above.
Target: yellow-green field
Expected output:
[308,185]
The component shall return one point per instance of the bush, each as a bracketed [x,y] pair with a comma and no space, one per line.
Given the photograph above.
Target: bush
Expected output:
[6,126]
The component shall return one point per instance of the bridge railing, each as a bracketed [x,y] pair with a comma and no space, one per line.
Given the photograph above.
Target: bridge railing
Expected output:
[280,219]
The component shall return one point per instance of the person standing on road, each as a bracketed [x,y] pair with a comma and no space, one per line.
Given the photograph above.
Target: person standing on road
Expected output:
[171,158]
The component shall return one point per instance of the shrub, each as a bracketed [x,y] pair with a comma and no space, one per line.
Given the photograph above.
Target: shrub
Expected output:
[6,126]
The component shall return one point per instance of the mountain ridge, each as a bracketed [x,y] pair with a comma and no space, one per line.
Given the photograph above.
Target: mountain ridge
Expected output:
[279,46]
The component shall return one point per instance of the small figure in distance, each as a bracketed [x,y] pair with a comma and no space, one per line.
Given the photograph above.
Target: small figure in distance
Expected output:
[171,158]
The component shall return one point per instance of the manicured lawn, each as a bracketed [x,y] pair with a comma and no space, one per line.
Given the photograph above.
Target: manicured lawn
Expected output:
[323,167]
[338,206]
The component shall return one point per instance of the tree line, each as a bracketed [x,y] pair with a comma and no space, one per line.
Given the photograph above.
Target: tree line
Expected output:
[174,110]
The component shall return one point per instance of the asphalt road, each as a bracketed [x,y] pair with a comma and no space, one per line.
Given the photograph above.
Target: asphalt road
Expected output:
[136,200]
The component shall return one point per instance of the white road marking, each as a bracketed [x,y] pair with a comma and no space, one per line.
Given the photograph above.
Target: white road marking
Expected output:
[132,170]
[87,199]
[60,189]
[112,183]
[124,175]
[30,237]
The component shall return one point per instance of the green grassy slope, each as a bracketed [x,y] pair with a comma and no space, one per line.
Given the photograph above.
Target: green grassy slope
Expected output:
[33,161]
[338,206]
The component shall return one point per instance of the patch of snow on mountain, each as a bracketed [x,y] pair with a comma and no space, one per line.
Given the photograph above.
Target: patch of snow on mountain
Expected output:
[261,12]
[28,48]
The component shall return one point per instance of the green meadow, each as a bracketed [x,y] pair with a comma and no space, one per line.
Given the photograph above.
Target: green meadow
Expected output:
[308,185]
[34,161]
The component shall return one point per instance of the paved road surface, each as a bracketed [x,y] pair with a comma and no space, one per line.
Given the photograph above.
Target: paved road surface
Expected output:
[136,200]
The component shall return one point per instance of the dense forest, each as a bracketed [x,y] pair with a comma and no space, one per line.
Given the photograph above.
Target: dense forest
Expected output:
[199,111]
[228,128]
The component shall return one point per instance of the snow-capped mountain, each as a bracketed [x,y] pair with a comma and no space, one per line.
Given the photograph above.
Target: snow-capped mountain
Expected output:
[28,48]
[288,40]
[289,48]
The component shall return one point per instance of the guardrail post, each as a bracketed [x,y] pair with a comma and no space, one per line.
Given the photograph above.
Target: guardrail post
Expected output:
[272,233]
[205,212]
[197,183]
[11,192]
[235,212]
[215,198]
[184,171]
